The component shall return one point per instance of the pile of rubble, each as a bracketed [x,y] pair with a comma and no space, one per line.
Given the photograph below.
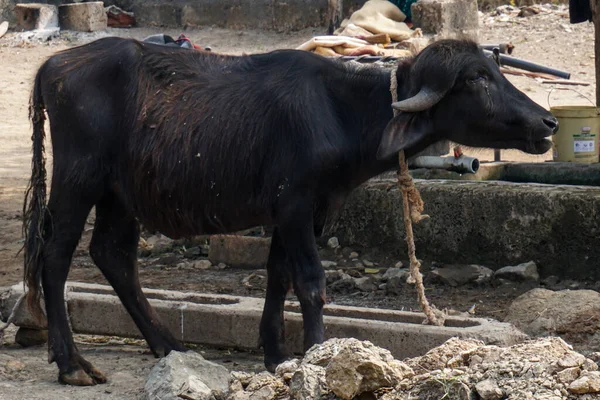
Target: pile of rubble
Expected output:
[542,369]
[348,368]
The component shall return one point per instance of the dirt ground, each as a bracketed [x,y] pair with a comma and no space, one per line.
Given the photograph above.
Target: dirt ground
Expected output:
[547,38]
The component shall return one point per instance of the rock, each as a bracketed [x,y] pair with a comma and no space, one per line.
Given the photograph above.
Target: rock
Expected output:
[396,284]
[286,367]
[321,354]
[159,244]
[332,276]
[84,17]
[399,264]
[239,251]
[458,275]
[368,263]
[366,284]
[265,386]
[489,390]
[528,12]
[589,382]
[360,367]
[572,359]
[28,337]
[255,280]
[402,273]
[589,365]
[353,255]
[243,377]
[439,357]
[264,393]
[239,395]
[308,382]
[192,252]
[202,264]
[540,312]
[550,281]
[519,273]
[328,264]
[345,284]
[14,366]
[568,375]
[333,243]
[189,374]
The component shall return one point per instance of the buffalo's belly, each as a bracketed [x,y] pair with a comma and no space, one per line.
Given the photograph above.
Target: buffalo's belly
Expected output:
[188,210]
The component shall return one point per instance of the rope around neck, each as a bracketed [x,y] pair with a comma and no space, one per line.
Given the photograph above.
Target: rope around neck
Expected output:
[412,208]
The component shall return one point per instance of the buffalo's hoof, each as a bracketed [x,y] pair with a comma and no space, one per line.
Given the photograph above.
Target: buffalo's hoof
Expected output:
[85,375]
[271,363]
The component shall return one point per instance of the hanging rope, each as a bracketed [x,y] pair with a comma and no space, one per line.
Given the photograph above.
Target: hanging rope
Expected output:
[412,208]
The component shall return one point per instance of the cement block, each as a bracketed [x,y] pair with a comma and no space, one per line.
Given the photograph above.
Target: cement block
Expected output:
[447,18]
[494,224]
[35,16]
[85,17]
[239,251]
[231,321]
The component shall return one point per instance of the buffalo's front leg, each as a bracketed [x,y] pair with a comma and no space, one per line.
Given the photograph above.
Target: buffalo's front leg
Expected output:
[272,333]
[308,277]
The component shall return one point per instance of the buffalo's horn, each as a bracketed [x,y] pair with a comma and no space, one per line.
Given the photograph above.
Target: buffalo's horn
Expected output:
[426,98]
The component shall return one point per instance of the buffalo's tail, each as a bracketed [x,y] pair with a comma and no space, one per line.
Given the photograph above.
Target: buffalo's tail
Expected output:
[35,213]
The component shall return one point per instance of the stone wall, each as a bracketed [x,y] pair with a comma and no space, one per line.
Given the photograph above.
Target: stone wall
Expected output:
[279,15]
[487,223]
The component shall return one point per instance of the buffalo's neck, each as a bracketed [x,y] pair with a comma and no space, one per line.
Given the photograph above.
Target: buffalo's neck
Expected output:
[362,99]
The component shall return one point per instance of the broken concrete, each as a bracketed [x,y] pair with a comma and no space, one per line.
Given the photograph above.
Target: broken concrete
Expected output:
[487,223]
[219,319]
[84,17]
[33,16]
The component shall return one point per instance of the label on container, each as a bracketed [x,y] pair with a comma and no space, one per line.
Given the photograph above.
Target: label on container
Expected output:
[584,143]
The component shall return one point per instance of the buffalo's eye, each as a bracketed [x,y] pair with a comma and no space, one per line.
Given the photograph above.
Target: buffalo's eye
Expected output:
[478,79]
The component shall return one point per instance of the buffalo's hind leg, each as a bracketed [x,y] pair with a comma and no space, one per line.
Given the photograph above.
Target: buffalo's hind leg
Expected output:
[272,334]
[64,223]
[114,250]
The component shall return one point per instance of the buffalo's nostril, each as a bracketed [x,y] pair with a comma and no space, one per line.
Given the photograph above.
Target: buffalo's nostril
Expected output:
[551,123]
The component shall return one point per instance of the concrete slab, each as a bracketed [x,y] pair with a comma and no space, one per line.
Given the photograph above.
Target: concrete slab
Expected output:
[553,173]
[85,17]
[231,321]
[32,16]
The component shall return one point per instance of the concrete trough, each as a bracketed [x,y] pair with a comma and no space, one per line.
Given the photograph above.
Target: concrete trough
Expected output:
[232,321]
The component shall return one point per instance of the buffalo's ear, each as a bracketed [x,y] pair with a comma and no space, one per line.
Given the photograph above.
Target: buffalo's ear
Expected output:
[402,132]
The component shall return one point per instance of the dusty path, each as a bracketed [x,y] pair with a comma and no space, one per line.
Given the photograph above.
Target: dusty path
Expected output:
[542,38]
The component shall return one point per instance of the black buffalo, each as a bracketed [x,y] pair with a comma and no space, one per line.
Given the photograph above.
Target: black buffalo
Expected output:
[187,143]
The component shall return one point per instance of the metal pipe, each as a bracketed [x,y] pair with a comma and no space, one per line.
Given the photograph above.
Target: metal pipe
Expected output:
[503,47]
[504,60]
[462,164]
[528,66]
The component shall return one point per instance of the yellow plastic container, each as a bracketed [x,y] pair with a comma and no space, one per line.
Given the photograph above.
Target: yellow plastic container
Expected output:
[577,136]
